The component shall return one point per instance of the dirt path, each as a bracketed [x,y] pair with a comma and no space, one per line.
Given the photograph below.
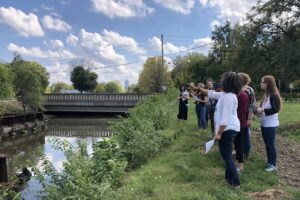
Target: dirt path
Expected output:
[288,163]
[288,157]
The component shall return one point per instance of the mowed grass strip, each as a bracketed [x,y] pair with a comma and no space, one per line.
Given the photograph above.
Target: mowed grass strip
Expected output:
[182,171]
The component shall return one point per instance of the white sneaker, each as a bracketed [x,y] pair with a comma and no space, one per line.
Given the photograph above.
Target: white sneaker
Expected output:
[271,168]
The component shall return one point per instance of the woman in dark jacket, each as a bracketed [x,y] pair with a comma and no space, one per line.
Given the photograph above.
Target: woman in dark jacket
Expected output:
[268,111]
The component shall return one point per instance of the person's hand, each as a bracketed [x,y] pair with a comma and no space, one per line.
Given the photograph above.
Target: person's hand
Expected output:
[218,136]
[260,110]
[249,123]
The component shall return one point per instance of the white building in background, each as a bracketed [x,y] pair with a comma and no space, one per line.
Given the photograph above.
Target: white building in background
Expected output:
[126,84]
[63,91]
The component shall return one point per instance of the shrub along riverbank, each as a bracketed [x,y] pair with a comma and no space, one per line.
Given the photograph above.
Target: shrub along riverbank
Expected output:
[139,137]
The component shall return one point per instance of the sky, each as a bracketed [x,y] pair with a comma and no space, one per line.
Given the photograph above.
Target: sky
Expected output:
[114,37]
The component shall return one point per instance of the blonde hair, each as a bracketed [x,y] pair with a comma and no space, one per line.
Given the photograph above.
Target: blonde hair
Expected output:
[245,78]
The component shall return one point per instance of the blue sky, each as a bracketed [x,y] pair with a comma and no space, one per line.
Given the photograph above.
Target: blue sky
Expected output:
[110,33]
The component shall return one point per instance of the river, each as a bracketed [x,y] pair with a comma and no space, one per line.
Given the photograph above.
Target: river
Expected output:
[27,150]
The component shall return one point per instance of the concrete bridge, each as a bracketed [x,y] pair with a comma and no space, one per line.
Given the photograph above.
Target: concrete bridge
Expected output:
[97,103]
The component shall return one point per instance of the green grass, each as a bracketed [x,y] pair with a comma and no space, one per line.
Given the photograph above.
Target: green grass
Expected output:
[182,171]
[290,113]
[289,119]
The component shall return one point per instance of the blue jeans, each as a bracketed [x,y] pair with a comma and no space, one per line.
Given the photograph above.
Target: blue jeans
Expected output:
[201,112]
[269,134]
[225,145]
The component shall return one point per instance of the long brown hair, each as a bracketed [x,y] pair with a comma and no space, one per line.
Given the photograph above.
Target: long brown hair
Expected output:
[271,88]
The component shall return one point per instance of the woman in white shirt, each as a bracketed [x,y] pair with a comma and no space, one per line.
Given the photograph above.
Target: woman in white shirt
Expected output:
[227,124]
[268,110]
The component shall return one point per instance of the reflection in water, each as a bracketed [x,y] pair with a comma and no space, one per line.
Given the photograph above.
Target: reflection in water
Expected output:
[27,150]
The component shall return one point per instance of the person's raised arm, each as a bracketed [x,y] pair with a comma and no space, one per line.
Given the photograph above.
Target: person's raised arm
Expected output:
[202,90]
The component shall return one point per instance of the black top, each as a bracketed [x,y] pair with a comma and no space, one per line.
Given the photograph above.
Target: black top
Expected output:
[275,103]
[201,97]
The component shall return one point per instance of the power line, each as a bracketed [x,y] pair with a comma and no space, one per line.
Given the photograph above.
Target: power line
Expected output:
[181,36]
[139,61]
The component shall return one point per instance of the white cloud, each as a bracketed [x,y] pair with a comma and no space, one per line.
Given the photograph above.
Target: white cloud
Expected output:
[25,25]
[122,8]
[203,45]
[59,72]
[127,43]
[155,42]
[214,23]
[102,48]
[47,8]
[202,41]
[182,6]
[55,14]
[203,2]
[38,53]
[55,24]
[120,73]
[57,44]
[72,40]
[65,2]
[233,10]
[108,53]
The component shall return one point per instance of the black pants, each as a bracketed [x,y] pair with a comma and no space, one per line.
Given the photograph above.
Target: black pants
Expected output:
[225,145]
[183,110]
[211,113]
[239,143]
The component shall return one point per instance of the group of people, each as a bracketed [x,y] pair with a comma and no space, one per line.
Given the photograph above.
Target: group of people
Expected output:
[204,107]
[230,106]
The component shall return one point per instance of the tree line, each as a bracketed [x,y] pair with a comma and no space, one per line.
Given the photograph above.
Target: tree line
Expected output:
[267,43]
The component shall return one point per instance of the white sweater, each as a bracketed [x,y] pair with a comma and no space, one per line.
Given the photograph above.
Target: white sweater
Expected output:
[226,110]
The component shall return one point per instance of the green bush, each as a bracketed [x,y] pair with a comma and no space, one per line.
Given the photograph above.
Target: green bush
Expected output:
[140,135]
[138,138]
[108,163]
[84,176]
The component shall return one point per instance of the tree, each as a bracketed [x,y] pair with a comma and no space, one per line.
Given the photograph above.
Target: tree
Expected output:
[41,72]
[33,66]
[83,80]
[6,85]
[100,88]
[180,73]
[27,85]
[192,67]
[30,81]
[133,88]
[58,86]
[113,87]
[154,76]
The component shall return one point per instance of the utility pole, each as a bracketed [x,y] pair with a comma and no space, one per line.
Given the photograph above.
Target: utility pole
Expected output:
[162,61]
[162,50]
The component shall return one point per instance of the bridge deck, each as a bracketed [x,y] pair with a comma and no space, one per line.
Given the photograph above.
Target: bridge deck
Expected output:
[107,102]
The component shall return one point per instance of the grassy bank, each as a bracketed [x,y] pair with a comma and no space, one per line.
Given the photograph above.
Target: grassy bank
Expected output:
[182,171]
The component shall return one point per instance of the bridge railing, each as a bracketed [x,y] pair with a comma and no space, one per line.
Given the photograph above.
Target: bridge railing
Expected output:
[96,97]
